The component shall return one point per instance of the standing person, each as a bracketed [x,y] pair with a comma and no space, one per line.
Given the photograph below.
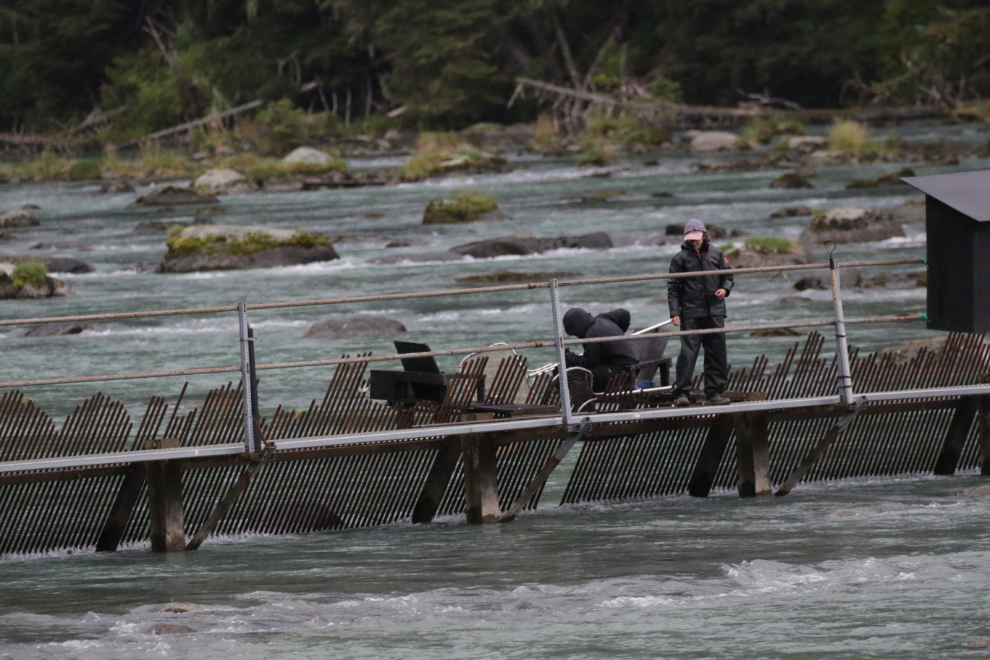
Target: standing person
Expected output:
[696,303]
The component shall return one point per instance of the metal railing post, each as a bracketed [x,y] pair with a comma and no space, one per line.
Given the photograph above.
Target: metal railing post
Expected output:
[251,444]
[841,348]
[558,341]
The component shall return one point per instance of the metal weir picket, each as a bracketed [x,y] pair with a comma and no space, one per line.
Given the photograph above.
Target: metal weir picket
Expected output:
[219,467]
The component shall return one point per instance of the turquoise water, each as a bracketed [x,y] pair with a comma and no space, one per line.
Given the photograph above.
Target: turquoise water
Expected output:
[887,569]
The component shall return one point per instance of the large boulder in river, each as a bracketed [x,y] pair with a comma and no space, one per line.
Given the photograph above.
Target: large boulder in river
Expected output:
[223,182]
[51,264]
[58,329]
[233,247]
[174,196]
[761,251]
[712,141]
[29,280]
[851,225]
[308,156]
[355,326]
[17,218]
[522,244]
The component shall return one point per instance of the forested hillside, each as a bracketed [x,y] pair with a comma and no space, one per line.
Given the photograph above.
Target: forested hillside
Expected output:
[449,63]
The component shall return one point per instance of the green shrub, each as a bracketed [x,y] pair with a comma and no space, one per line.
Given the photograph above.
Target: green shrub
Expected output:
[847,137]
[665,89]
[769,244]
[30,272]
[598,156]
[765,129]
[270,168]
[545,131]
[158,162]
[47,166]
[435,149]
[84,169]
[286,127]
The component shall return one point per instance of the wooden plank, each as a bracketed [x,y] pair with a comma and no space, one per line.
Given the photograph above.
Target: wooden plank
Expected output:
[165,500]
[710,457]
[241,485]
[480,479]
[541,477]
[436,482]
[955,436]
[818,451]
[123,506]
[753,453]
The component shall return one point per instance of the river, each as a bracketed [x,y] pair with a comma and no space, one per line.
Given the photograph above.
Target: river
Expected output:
[890,569]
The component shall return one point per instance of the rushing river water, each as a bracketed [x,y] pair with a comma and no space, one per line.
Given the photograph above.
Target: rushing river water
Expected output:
[892,569]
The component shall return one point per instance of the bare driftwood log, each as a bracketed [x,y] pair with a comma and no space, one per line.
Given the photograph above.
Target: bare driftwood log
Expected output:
[208,119]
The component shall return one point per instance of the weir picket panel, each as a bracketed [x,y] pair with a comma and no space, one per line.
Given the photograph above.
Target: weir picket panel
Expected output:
[364,485]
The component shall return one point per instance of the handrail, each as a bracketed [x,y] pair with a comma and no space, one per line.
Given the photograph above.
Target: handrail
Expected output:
[439,293]
[449,351]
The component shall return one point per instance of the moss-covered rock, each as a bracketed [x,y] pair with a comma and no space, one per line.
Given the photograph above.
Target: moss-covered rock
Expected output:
[760,251]
[174,196]
[851,225]
[17,218]
[791,180]
[511,277]
[440,154]
[232,247]
[29,279]
[464,207]
[882,180]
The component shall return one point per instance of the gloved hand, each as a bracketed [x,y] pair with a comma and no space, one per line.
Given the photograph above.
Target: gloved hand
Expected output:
[568,357]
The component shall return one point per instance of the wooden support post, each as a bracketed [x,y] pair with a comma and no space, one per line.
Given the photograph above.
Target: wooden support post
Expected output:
[753,453]
[165,500]
[480,479]
[127,497]
[436,482]
[710,457]
[955,437]
[984,433]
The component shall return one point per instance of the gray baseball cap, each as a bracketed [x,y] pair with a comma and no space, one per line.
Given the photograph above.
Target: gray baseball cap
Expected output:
[695,227]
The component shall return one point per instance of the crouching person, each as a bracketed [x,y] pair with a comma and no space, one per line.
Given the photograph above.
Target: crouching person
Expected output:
[696,303]
[605,359]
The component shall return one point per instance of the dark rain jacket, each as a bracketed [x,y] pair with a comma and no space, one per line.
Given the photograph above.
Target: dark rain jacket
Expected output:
[694,297]
[615,354]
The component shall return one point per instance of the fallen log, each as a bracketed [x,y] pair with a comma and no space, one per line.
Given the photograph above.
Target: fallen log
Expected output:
[196,123]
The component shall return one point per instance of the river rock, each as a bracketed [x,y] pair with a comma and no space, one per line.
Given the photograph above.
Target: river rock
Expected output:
[174,196]
[167,629]
[4,236]
[775,332]
[464,207]
[116,187]
[510,277]
[17,218]
[909,350]
[178,608]
[67,265]
[791,212]
[416,258]
[309,156]
[522,244]
[354,326]
[918,279]
[883,180]
[807,143]
[747,257]
[58,329]
[822,280]
[159,226]
[912,210]
[234,247]
[712,141]
[223,182]
[851,225]
[300,517]
[51,288]
[791,180]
